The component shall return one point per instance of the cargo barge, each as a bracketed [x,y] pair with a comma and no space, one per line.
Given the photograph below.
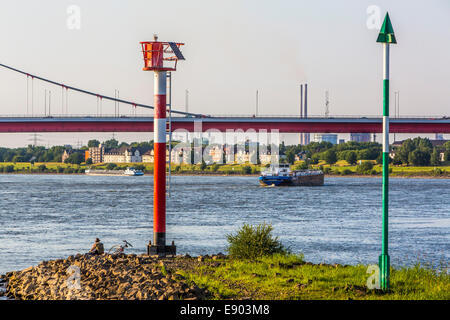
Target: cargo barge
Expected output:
[283,176]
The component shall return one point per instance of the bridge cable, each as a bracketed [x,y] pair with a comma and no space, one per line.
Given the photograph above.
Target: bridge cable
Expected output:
[90,92]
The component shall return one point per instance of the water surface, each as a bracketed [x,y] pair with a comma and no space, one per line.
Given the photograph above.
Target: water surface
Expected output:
[53,216]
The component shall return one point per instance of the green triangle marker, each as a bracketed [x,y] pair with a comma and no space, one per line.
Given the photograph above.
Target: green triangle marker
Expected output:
[387,32]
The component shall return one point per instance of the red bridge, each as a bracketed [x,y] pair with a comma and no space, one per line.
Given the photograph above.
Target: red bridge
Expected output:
[185,120]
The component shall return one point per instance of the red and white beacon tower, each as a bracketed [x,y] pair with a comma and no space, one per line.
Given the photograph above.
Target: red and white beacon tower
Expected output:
[160,57]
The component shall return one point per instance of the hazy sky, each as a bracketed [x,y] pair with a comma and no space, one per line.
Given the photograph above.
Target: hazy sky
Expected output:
[233,48]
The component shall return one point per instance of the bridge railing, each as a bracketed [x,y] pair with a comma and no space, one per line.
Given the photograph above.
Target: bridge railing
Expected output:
[224,116]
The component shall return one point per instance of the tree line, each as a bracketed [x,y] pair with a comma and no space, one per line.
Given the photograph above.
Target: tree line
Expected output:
[417,152]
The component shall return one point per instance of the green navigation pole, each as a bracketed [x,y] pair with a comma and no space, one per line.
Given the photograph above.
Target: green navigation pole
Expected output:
[386,37]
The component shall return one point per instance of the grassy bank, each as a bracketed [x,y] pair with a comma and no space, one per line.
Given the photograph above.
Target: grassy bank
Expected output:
[341,168]
[289,277]
[216,277]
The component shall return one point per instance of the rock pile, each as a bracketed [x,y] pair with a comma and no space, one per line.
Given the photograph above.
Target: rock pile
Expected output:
[105,277]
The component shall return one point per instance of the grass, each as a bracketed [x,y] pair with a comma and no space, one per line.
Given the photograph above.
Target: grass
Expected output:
[287,277]
[342,167]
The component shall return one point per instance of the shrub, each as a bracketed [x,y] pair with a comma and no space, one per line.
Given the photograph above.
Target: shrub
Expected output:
[346,172]
[139,167]
[301,166]
[215,167]
[364,167]
[9,168]
[253,242]
[111,166]
[247,169]
[68,170]
[326,170]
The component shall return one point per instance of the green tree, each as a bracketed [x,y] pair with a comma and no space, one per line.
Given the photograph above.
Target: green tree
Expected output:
[404,151]
[75,158]
[435,158]
[111,144]
[330,156]
[93,143]
[89,161]
[290,156]
[419,158]
[351,157]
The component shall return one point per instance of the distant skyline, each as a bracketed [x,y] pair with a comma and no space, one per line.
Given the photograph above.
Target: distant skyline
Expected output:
[232,49]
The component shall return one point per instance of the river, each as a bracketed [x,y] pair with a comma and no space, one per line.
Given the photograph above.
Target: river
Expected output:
[45,217]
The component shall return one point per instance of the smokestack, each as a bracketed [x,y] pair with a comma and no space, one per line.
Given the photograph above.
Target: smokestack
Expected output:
[301,101]
[306,100]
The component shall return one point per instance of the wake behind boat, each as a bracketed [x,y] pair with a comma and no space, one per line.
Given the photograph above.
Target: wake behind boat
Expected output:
[283,176]
[127,172]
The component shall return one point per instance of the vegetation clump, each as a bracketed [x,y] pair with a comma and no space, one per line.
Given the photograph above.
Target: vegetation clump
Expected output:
[252,242]
[365,167]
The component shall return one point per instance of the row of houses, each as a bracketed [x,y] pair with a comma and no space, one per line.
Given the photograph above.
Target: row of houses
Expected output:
[127,154]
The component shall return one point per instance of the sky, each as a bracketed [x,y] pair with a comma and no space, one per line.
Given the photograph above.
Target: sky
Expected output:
[232,48]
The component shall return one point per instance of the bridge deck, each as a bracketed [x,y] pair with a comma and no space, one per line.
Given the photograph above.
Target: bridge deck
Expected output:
[283,124]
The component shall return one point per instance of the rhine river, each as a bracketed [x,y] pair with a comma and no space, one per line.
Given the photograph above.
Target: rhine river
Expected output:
[45,217]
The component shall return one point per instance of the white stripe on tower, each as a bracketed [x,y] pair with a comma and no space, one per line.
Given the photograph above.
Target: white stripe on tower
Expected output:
[159,125]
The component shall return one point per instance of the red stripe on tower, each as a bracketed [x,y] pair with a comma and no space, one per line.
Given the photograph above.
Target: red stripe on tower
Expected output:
[159,202]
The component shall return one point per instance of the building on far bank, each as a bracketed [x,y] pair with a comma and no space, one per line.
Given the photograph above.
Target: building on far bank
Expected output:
[149,156]
[328,137]
[66,154]
[360,137]
[122,155]
[96,153]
